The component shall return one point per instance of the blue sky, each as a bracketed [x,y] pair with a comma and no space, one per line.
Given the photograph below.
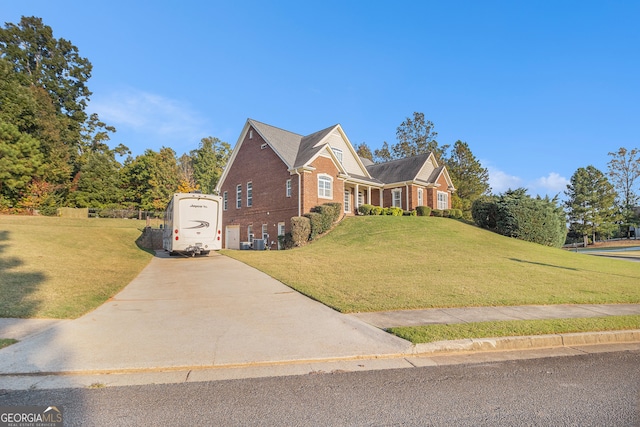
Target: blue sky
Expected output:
[536,88]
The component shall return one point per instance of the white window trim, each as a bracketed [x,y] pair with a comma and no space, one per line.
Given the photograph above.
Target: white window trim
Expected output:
[444,203]
[225,200]
[325,178]
[420,197]
[249,194]
[288,187]
[265,233]
[396,194]
[250,234]
[238,196]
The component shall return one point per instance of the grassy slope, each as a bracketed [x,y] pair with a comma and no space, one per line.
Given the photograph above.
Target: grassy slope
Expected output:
[390,263]
[63,268]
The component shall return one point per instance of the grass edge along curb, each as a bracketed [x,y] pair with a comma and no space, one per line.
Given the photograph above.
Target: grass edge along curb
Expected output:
[514,328]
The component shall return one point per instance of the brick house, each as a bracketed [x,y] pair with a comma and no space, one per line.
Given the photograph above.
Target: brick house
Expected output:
[273,175]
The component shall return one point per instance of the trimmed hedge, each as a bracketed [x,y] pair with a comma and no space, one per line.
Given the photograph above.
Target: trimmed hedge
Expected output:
[366,209]
[423,211]
[437,212]
[300,230]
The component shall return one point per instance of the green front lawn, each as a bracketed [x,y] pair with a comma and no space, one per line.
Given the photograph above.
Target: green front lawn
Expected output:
[379,263]
[63,268]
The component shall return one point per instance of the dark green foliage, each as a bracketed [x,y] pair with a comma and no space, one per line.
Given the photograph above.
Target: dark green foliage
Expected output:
[423,211]
[365,209]
[335,209]
[516,214]
[591,203]
[415,136]
[317,224]
[409,213]
[208,161]
[469,177]
[20,161]
[437,212]
[455,213]
[286,241]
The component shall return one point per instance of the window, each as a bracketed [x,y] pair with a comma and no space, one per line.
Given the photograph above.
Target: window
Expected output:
[225,200]
[249,194]
[265,235]
[288,188]
[420,197]
[396,200]
[250,133]
[250,233]
[338,153]
[347,201]
[443,200]
[360,198]
[324,187]
[238,196]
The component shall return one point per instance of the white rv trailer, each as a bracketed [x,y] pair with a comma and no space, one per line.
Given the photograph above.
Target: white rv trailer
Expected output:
[193,224]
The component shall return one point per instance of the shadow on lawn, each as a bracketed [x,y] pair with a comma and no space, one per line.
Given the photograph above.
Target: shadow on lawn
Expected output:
[543,264]
[15,286]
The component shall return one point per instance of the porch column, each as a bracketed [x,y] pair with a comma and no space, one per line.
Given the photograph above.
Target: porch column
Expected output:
[369,195]
[356,198]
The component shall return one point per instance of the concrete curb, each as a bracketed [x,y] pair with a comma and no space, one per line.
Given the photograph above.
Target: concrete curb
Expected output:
[527,342]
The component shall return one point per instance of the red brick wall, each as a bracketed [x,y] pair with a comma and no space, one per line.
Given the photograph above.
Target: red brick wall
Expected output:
[322,165]
[268,175]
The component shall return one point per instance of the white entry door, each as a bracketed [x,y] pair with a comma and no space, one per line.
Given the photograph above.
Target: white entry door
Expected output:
[232,237]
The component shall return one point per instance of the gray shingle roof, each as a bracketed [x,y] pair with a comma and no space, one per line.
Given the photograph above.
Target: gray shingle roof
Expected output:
[285,143]
[308,147]
[399,170]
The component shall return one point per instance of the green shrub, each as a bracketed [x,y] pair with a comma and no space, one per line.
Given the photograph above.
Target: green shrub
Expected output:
[300,230]
[334,210]
[365,209]
[286,241]
[455,213]
[377,210]
[392,211]
[423,211]
[436,212]
[409,213]
[316,221]
[516,214]
[446,213]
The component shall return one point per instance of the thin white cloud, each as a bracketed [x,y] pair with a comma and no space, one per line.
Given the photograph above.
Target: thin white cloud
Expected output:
[551,184]
[152,119]
[501,181]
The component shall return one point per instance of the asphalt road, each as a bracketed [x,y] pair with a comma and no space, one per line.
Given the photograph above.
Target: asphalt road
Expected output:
[600,389]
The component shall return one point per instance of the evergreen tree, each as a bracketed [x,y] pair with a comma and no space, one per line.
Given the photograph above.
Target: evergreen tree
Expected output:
[20,163]
[470,179]
[591,203]
[209,159]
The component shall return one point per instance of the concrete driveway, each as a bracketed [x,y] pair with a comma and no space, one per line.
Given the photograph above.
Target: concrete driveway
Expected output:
[198,312]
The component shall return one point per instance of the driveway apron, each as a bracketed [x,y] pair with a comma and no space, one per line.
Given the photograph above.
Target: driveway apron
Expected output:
[198,312]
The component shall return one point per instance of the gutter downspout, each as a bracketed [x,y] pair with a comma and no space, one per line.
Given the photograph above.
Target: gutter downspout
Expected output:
[299,192]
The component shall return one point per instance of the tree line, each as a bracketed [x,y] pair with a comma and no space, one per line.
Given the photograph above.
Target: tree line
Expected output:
[416,135]
[53,153]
